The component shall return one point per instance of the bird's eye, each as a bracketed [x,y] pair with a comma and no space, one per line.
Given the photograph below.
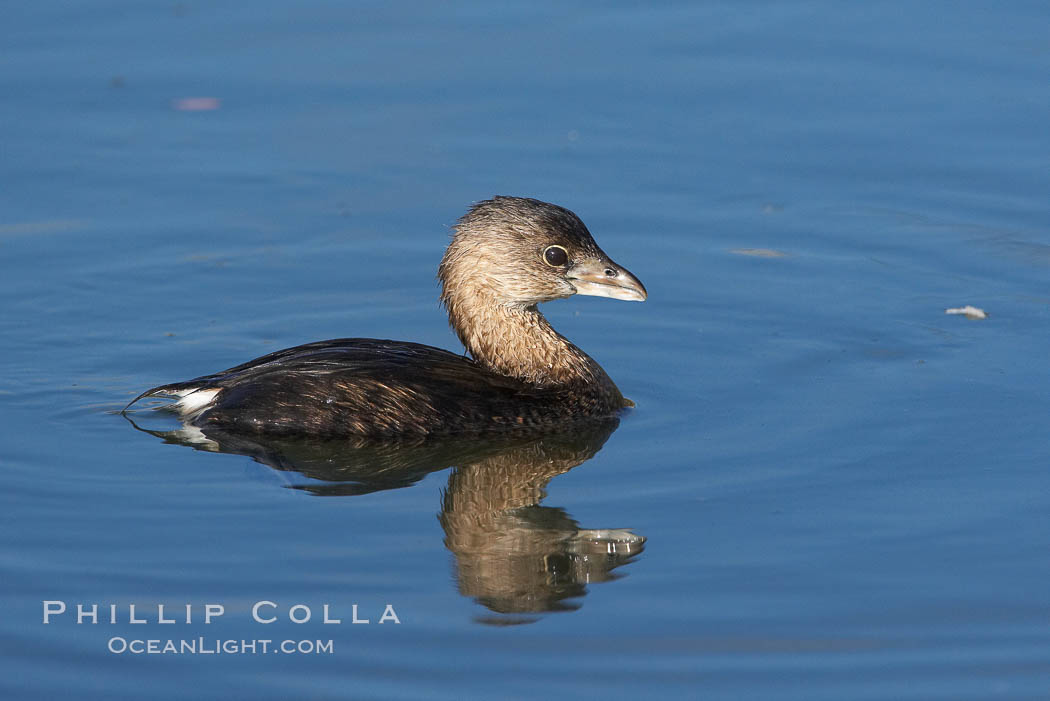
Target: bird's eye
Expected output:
[555,255]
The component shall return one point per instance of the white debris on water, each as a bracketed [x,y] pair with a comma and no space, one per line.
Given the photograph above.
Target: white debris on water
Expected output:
[968,311]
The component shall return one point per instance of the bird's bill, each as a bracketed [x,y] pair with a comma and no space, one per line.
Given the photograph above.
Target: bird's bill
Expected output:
[604,278]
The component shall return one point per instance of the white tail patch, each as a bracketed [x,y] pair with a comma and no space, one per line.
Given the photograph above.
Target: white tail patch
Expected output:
[193,401]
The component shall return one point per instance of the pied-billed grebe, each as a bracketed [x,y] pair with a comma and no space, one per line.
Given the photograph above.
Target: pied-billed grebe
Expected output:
[507,255]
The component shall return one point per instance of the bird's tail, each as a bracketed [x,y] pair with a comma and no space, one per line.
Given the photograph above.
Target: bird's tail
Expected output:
[178,390]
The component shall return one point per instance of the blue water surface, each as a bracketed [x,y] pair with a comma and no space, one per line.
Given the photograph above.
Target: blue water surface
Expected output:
[844,491]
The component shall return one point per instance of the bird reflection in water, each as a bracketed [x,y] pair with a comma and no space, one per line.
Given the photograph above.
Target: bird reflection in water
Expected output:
[514,556]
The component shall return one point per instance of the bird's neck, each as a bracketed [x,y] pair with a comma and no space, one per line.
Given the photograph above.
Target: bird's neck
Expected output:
[517,341]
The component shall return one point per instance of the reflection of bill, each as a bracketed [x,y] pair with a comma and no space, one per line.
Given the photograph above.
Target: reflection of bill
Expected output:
[512,555]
